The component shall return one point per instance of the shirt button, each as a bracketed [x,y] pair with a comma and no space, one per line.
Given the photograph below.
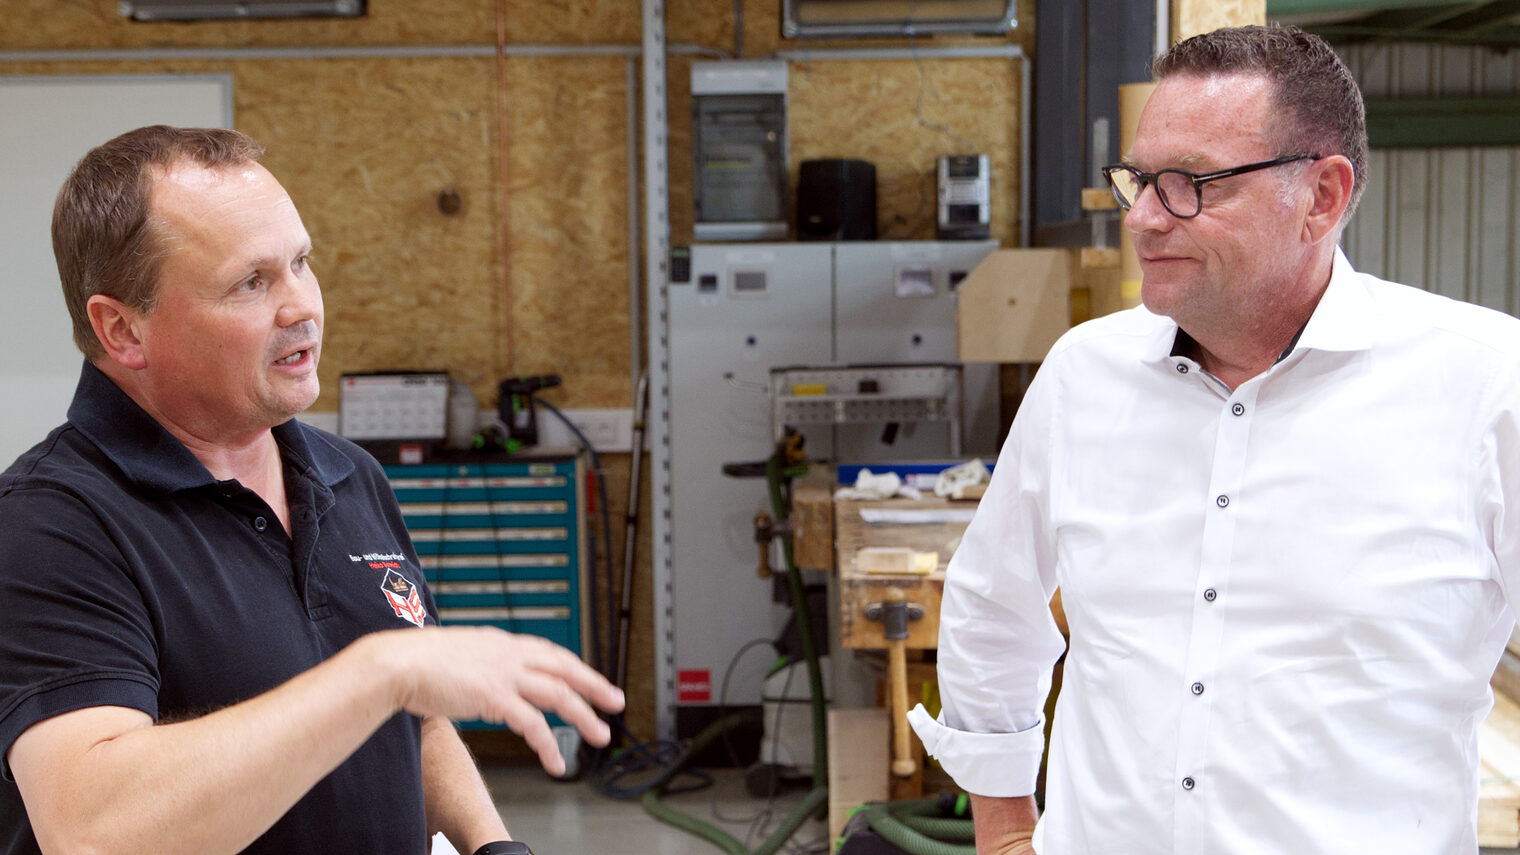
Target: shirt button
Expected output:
[1188,783]
[1181,369]
[1197,688]
[1238,409]
[259,523]
[1223,501]
[1209,595]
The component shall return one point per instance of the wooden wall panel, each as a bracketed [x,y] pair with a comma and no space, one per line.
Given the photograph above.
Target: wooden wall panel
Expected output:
[866,109]
[364,151]
[568,222]
[1191,17]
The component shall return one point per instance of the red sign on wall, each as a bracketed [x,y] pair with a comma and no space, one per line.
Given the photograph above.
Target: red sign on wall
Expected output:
[694,685]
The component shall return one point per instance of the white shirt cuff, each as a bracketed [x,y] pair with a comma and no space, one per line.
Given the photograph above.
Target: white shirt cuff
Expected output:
[1002,765]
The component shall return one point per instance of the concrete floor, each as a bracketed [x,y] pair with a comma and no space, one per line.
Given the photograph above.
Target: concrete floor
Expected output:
[557,818]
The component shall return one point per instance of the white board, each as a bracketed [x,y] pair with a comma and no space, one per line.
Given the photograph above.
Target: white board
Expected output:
[46,124]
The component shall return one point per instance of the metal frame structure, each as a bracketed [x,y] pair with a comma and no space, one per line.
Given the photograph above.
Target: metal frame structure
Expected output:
[656,283]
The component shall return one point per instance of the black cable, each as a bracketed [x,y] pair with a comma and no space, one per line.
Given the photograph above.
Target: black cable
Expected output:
[773,804]
[763,819]
[647,764]
[728,673]
[650,764]
[606,550]
[738,29]
[918,109]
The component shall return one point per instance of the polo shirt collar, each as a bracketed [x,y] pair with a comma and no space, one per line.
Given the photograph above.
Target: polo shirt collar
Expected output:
[151,456]
[1342,321]
[314,450]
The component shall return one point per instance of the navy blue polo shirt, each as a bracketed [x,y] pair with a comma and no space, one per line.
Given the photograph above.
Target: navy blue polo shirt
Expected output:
[129,576]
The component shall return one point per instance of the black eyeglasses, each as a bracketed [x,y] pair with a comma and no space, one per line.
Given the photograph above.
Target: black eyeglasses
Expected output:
[1181,191]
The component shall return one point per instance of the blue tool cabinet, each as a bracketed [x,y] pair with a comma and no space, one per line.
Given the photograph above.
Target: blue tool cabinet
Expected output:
[501,543]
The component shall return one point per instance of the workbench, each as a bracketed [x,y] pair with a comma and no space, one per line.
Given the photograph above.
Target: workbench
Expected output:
[828,534]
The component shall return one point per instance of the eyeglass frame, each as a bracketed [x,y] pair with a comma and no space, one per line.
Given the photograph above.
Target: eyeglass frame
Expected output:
[1198,180]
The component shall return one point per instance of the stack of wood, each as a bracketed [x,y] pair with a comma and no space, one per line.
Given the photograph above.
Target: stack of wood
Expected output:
[1499,755]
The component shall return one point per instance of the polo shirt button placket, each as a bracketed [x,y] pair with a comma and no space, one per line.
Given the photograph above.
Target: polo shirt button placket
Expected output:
[1197,688]
[1222,501]
[1188,783]
[1238,409]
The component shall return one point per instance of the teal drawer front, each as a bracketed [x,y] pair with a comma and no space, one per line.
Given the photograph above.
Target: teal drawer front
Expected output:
[494,593]
[551,622]
[498,574]
[499,543]
[555,556]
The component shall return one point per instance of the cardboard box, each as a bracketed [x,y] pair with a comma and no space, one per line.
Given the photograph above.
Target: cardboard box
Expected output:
[1014,306]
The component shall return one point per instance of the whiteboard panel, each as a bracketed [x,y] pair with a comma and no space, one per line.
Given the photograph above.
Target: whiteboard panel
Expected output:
[48,124]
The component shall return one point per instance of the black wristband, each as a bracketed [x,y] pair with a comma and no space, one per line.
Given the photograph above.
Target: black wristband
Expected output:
[504,847]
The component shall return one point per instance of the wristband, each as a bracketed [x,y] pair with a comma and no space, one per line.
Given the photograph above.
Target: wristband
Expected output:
[504,847]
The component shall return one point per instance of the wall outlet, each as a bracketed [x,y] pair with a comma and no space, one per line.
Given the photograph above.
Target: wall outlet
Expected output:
[607,430]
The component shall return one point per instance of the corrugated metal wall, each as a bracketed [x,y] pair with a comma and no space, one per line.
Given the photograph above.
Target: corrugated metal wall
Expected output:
[1443,219]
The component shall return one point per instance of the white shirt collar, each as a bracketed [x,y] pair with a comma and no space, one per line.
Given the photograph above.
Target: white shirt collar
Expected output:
[1342,321]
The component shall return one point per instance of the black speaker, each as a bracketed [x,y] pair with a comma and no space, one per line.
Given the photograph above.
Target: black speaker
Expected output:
[836,200]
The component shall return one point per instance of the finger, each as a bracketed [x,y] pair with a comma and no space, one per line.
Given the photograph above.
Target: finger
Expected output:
[579,715]
[550,660]
[528,722]
[540,738]
[585,680]
[548,692]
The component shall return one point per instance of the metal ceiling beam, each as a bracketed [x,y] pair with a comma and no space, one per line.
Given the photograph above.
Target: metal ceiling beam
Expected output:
[1443,122]
[1411,24]
[1495,12]
[1497,37]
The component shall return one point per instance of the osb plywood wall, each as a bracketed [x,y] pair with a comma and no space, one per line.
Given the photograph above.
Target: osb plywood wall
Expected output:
[531,275]
[1191,17]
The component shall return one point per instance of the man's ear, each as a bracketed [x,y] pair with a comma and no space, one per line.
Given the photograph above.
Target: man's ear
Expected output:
[117,327]
[1333,180]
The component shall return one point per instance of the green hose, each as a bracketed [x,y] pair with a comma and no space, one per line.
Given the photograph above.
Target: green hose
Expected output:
[909,825]
[816,797]
[777,475]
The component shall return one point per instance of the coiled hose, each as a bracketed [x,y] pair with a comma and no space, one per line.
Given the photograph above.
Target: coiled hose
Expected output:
[919,826]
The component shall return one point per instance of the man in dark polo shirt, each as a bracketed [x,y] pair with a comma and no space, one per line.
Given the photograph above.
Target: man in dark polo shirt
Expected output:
[217,635]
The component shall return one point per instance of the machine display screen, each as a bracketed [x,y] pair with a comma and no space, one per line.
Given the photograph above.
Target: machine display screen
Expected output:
[749,282]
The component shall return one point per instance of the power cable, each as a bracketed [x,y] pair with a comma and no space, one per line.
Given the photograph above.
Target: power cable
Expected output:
[918,109]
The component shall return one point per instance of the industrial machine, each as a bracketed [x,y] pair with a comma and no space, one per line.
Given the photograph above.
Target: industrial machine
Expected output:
[743,310]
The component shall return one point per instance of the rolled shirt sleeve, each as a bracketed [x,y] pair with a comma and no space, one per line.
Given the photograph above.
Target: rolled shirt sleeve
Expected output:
[997,639]
[987,764]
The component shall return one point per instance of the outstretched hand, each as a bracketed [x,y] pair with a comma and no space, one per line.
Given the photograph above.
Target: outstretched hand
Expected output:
[469,672]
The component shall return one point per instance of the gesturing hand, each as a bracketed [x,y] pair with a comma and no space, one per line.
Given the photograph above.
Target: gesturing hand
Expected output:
[466,672]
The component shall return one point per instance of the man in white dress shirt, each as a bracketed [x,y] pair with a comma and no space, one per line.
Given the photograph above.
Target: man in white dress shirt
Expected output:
[1275,499]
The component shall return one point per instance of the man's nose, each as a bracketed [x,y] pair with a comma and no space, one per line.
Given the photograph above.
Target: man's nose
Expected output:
[301,298]
[1146,213]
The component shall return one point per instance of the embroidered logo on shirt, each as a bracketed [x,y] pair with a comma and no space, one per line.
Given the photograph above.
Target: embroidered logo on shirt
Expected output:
[404,597]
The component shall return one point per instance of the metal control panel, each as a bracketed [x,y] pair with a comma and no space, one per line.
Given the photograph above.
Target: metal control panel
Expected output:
[744,310]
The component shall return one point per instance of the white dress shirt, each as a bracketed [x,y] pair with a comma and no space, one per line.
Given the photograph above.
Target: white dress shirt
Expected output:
[1285,601]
